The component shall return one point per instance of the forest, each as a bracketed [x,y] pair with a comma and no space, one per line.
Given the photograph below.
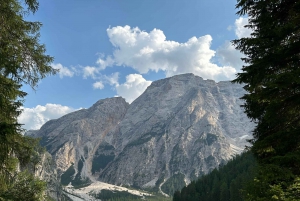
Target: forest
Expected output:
[225,183]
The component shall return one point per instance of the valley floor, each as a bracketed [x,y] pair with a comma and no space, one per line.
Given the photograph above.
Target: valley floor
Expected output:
[86,193]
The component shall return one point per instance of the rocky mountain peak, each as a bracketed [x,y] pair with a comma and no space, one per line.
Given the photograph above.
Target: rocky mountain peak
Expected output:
[180,128]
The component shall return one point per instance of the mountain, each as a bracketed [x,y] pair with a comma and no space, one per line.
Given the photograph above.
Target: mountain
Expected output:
[179,129]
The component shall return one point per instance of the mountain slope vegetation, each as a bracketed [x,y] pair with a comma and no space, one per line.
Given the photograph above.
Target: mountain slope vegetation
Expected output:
[225,183]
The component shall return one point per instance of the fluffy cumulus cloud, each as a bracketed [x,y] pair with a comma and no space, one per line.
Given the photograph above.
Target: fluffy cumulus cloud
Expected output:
[151,51]
[112,79]
[98,85]
[105,62]
[90,71]
[226,53]
[134,86]
[240,29]
[34,118]
[63,71]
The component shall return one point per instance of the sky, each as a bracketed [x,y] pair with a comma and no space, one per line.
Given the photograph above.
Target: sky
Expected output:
[108,48]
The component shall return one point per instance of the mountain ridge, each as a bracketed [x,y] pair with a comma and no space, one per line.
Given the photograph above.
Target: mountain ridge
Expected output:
[182,125]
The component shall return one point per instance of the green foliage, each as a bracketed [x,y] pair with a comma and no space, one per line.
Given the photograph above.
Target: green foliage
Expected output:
[272,79]
[76,180]
[176,182]
[226,183]
[107,195]
[101,161]
[47,198]
[80,164]
[157,197]
[22,61]
[103,156]
[19,173]
[79,182]
[67,176]
[24,187]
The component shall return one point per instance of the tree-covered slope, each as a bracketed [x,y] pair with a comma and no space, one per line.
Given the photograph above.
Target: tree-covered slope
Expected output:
[224,184]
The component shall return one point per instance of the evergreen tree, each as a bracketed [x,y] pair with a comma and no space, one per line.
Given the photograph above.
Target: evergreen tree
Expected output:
[272,78]
[224,192]
[22,61]
[225,183]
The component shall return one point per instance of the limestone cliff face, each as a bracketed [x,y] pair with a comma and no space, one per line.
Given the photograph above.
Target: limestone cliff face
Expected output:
[74,138]
[181,127]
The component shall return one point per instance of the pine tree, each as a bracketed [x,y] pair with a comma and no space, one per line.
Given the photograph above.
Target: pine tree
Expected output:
[22,61]
[272,77]
[224,192]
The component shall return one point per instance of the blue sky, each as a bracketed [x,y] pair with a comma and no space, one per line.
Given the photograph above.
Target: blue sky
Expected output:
[107,48]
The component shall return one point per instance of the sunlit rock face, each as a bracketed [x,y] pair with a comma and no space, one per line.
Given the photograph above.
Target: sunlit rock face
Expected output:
[179,125]
[182,125]
[76,136]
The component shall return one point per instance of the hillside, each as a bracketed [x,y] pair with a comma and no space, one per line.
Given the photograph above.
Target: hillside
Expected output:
[225,183]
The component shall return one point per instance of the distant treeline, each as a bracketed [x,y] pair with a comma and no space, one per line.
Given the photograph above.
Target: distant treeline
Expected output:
[223,184]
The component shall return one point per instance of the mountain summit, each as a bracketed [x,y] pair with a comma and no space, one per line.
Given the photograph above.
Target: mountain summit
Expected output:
[179,129]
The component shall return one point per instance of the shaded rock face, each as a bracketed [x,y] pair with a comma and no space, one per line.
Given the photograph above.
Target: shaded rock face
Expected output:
[182,125]
[179,125]
[76,136]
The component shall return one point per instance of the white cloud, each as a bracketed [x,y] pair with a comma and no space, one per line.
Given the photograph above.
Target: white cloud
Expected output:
[98,85]
[113,79]
[89,71]
[151,51]
[34,118]
[229,56]
[63,71]
[240,30]
[134,86]
[94,73]
[103,63]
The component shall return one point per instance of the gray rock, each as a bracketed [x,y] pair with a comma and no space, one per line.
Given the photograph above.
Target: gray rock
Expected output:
[179,125]
[182,124]
[77,136]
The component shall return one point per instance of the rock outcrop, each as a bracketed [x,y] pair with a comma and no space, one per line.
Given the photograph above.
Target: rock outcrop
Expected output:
[179,128]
